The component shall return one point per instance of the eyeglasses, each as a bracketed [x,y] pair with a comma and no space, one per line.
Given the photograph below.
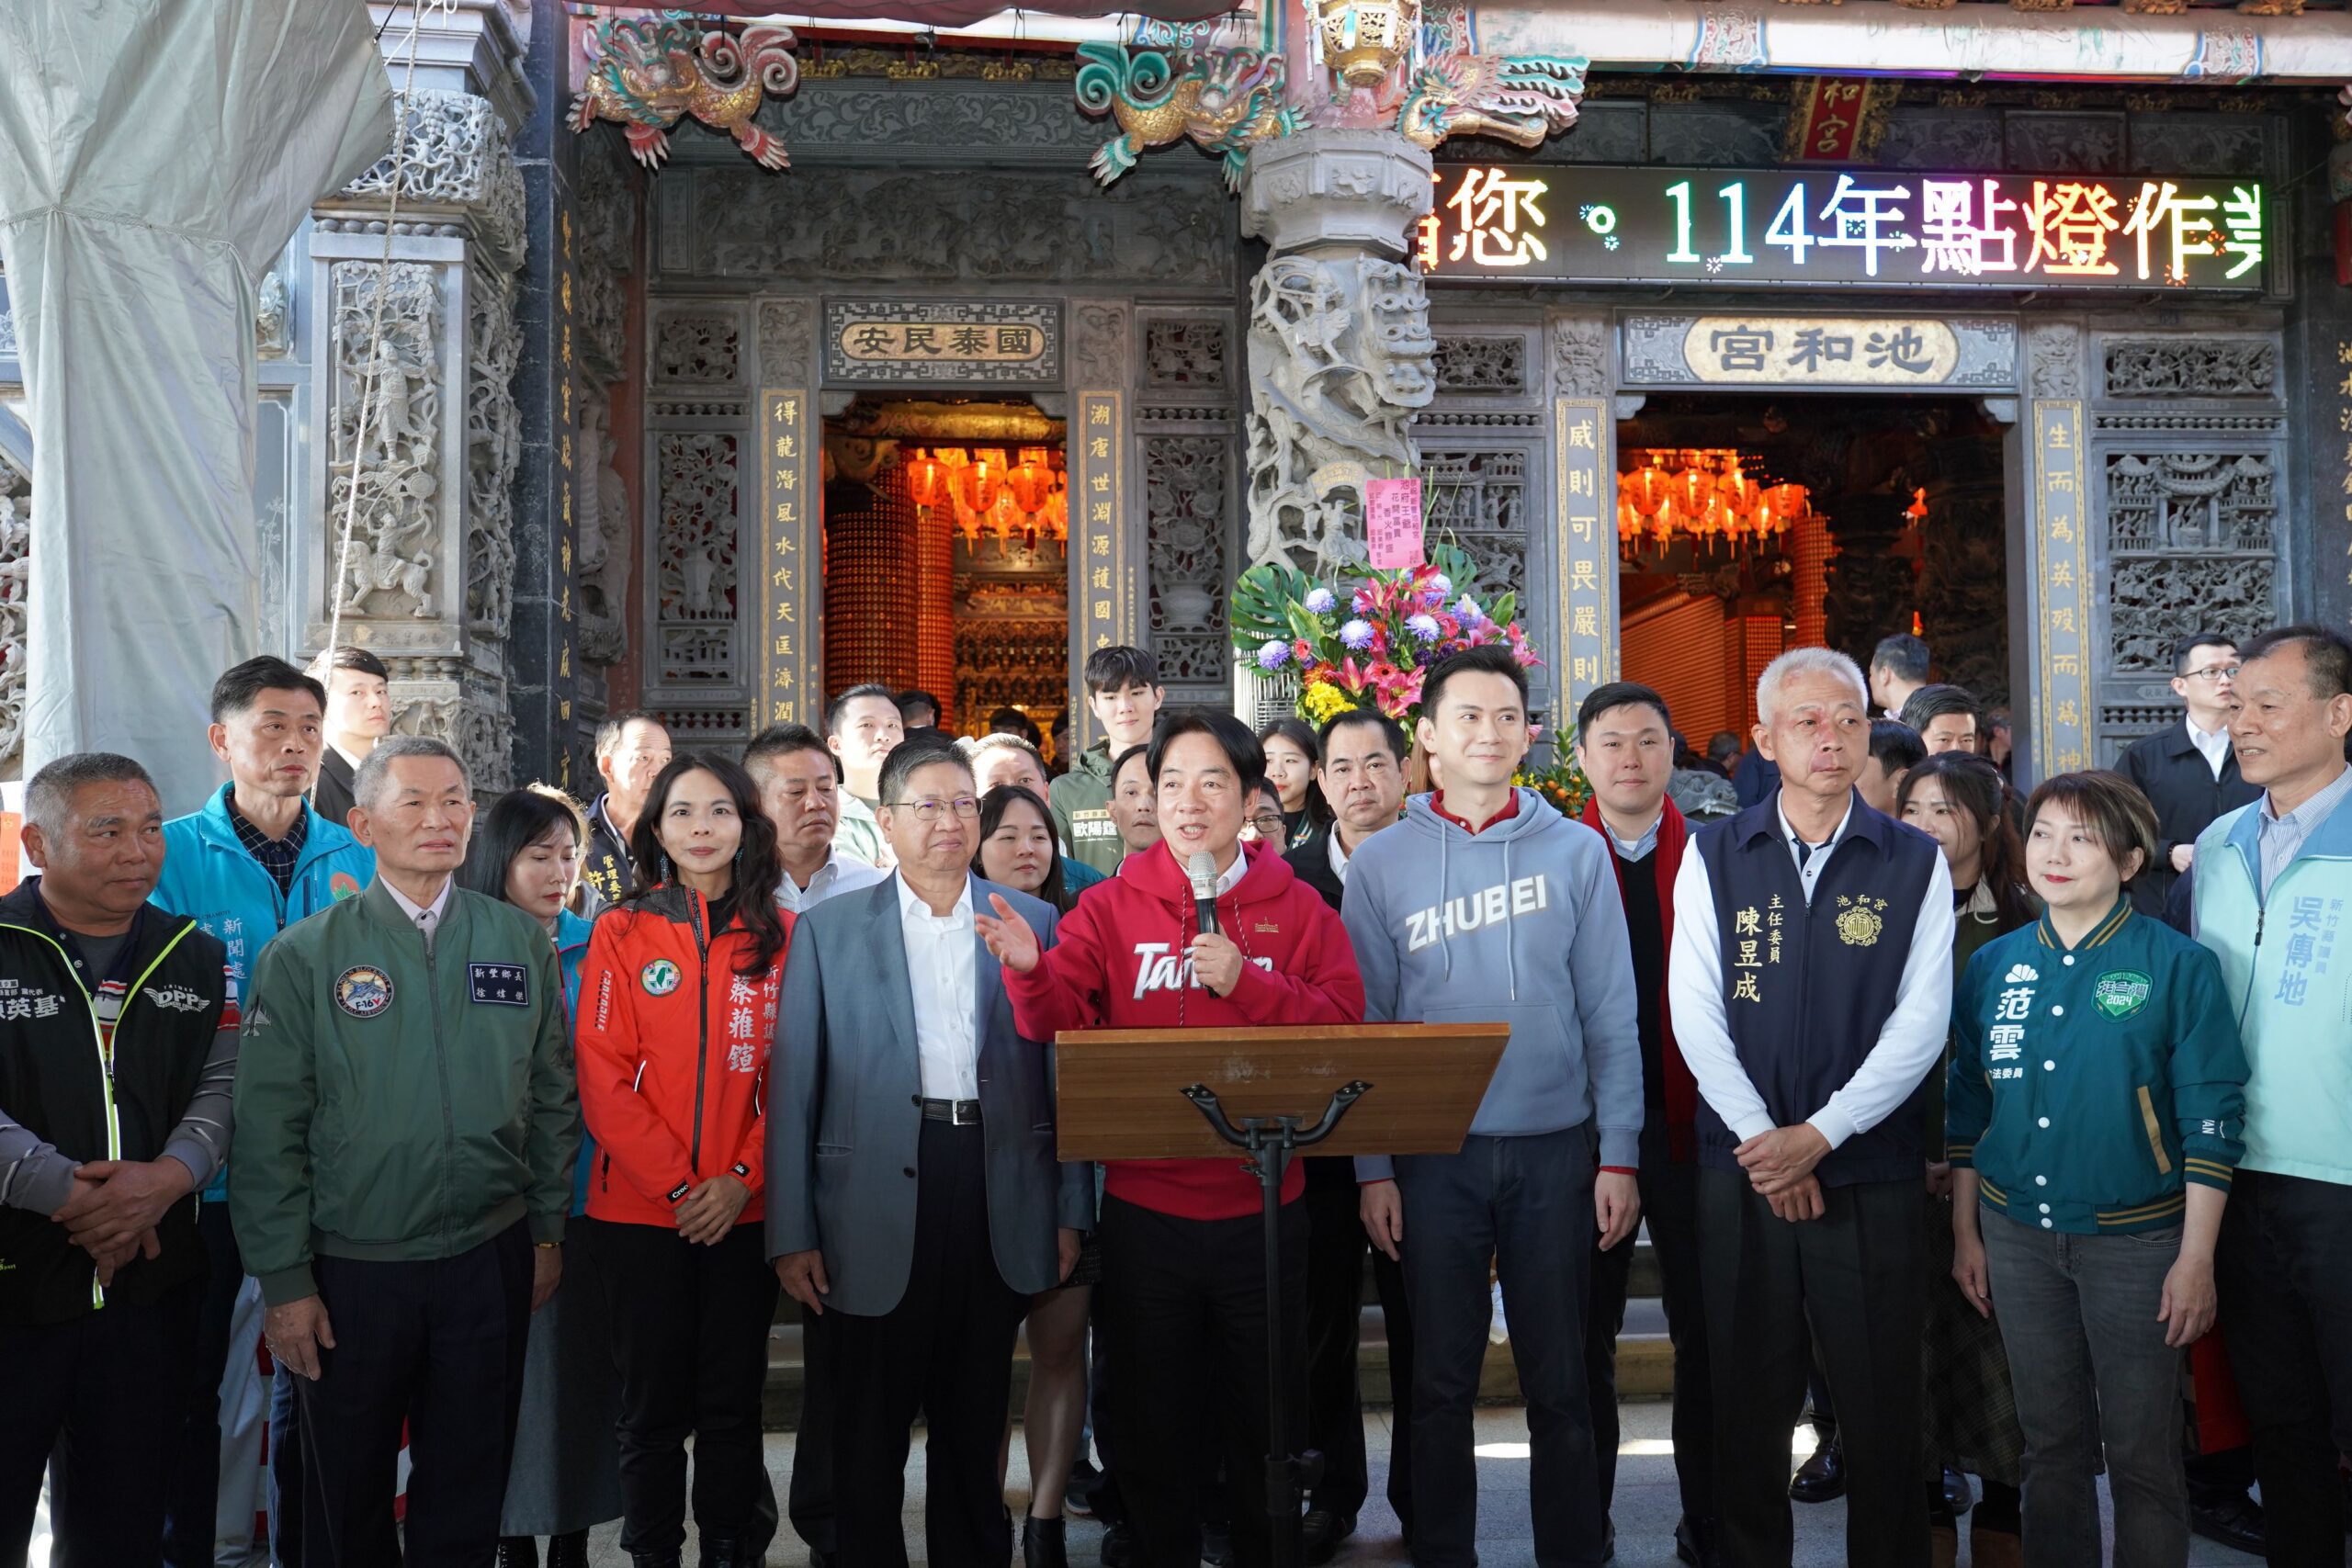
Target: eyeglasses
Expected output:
[1269,825]
[2215,675]
[964,806]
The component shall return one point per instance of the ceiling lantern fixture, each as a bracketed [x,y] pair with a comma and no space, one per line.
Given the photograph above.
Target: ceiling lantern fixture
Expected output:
[1702,494]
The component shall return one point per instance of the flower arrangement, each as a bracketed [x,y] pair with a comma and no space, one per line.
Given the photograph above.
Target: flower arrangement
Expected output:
[1563,784]
[1368,641]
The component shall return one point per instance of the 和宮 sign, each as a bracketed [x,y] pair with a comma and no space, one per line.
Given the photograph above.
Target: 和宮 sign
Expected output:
[1876,227]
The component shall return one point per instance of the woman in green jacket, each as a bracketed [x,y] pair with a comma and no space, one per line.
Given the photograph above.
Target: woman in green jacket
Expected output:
[2097,1106]
[1969,1415]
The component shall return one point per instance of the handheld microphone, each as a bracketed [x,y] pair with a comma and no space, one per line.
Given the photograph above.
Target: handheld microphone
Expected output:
[1202,869]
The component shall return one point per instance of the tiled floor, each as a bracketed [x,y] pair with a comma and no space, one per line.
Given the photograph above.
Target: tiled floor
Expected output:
[1646,1511]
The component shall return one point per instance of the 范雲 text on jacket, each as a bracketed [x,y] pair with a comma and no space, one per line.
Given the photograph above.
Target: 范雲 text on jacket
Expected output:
[673,1057]
[393,1105]
[60,1083]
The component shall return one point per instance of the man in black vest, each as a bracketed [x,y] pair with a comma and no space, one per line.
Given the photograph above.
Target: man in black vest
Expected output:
[2187,770]
[117,1048]
[1811,986]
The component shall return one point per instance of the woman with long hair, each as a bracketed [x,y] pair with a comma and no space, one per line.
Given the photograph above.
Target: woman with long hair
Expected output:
[565,1476]
[1955,798]
[680,992]
[1018,850]
[1290,748]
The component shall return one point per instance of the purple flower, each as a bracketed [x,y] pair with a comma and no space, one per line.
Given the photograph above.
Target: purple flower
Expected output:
[1274,655]
[1468,612]
[1356,634]
[1442,583]
[1360,603]
[1422,627]
[1321,602]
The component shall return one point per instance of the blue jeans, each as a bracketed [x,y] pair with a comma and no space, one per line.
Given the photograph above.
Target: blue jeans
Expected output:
[2088,1362]
[1527,1205]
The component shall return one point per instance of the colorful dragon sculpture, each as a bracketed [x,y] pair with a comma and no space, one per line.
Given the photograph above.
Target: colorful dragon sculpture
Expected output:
[649,72]
[1228,100]
[1224,100]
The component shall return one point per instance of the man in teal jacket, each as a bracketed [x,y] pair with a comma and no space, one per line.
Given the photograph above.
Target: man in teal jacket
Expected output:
[252,860]
[2272,885]
[407,1118]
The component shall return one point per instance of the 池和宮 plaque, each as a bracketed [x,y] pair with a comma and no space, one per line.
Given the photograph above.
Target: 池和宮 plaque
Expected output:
[1876,228]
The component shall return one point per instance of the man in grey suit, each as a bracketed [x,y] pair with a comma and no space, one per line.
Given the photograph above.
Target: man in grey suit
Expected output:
[914,1199]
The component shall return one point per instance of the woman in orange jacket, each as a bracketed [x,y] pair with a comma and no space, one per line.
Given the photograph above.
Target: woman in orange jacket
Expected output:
[677,1005]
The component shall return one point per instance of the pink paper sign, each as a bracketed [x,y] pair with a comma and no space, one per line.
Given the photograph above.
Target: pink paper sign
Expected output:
[1393,523]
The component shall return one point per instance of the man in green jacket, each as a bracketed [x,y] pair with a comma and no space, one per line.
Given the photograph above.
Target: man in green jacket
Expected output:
[407,1118]
[1123,690]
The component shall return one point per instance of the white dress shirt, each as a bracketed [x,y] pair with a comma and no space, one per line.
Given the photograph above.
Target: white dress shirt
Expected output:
[425,918]
[942,964]
[1910,1041]
[841,873]
[1338,858]
[2215,748]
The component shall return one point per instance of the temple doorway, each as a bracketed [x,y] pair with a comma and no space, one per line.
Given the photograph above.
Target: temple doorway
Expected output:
[947,530]
[1748,523]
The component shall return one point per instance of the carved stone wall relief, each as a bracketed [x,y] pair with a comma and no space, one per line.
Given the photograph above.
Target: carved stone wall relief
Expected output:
[600,514]
[696,348]
[1480,362]
[1186,354]
[494,455]
[16,550]
[1098,343]
[397,468]
[458,153]
[1187,482]
[2191,366]
[695,555]
[1480,498]
[2190,544]
[2055,360]
[787,340]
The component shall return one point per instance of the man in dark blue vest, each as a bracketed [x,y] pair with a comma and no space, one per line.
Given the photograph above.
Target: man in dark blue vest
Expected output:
[1811,986]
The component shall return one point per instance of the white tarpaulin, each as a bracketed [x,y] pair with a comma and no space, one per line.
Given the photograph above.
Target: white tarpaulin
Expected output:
[155,155]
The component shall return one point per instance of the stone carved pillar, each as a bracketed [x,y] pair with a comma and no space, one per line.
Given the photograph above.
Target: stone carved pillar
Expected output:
[1584,502]
[1107,548]
[427,579]
[2052,726]
[1339,343]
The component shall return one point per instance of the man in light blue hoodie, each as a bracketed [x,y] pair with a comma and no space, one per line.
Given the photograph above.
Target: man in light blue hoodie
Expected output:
[1489,906]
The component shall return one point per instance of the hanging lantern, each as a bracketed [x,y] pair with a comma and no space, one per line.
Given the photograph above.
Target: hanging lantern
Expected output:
[1788,503]
[1629,522]
[1739,492]
[1031,483]
[925,480]
[1644,489]
[1692,488]
[1057,515]
[979,481]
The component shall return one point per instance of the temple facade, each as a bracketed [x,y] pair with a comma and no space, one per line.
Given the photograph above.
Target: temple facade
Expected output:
[2063,369]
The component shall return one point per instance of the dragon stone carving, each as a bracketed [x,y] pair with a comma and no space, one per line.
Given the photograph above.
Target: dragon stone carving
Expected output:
[652,72]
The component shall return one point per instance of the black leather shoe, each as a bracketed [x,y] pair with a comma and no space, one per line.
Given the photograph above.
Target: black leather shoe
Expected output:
[568,1551]
[1323,1531]
[1957,1495]
[726,1552]
[1118,1547]
[1694,1542]
[1217,1545]
[1822,1477]
[1043,1543]
[518,1551]
[656,1559]
[2235,1522]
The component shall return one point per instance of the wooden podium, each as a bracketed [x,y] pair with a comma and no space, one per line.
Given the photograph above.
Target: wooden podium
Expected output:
[1375,1088]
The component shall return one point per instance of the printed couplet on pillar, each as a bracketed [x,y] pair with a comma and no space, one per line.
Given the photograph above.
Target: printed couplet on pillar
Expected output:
[790,604]
[1101,607]
[2061,607]
[1581,443]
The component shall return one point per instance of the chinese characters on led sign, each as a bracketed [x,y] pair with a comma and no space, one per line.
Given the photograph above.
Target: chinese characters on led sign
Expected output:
[1607,224]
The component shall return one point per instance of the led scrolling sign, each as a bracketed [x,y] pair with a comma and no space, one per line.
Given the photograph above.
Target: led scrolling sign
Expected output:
[1874,227]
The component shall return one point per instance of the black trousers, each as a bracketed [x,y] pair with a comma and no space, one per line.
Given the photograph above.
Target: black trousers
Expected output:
[194,1500]
[1852,1282]
[1184,1304]
[1336,1246]
[2284,1267]
[810,1498]
[945,1352]
[690,1336]
[83,1395]
[436,1346]
[1670,1211]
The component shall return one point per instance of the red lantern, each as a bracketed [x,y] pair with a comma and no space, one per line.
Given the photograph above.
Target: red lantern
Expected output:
[924,473]
[1031,484]
[977,483]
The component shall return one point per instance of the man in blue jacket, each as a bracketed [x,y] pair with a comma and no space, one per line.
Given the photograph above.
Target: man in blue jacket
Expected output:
[251,861]
[2272,880]
[1523,926]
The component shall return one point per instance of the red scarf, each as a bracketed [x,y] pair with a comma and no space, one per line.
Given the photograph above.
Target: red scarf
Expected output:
[1681,1089]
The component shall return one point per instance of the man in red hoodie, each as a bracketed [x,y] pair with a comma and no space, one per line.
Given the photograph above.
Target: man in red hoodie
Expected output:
[1625,745]
[1182,1302]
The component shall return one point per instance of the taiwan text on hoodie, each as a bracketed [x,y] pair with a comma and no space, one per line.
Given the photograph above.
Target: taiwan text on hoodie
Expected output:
[1119,961]
[1519,924]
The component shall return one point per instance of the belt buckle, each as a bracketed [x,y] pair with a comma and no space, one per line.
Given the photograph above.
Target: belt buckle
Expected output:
[956,1112]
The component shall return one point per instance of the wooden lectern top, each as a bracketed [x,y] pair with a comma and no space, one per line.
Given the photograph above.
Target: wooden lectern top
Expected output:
[1119,1092]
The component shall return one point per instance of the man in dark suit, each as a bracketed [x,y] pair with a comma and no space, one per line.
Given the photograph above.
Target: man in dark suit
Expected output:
[2187,768]
[914,1199]
[1361,771]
